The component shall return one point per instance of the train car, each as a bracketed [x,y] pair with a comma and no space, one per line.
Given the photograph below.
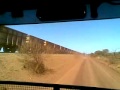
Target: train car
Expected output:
[10,39]
[56,49]
[35,44]
[32,39]
[48,47]
[62,50]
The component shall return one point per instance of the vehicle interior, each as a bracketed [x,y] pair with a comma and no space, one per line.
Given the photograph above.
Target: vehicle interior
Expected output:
[31,12]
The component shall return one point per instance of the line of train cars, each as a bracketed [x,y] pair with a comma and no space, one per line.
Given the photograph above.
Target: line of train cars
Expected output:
[10,39]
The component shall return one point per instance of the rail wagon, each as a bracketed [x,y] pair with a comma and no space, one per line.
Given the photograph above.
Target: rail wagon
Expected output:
[11,39]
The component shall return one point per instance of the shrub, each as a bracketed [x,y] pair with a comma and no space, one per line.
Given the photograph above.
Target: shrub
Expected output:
[33,56]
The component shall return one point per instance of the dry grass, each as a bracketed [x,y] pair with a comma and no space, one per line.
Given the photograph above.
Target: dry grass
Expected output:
[110,61]
[11,67]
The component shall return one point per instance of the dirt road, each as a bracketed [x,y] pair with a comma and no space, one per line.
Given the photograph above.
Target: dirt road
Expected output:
[89,72]
[67,69]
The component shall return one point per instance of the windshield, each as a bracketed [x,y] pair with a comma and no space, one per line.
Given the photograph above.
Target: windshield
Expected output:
[82,53]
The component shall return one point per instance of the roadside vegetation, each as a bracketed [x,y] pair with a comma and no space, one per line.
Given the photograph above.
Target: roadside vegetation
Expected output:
[111,58]
[34,56]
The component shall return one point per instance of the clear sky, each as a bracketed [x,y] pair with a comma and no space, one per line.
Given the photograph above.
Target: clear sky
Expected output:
[82,36]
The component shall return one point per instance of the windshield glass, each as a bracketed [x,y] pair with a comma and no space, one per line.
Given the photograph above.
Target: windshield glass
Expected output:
[85,53]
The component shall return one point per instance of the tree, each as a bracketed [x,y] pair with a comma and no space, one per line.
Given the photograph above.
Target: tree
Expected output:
[105,51]
[98,52]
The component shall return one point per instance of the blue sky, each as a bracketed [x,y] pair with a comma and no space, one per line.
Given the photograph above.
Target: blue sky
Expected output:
[82,36]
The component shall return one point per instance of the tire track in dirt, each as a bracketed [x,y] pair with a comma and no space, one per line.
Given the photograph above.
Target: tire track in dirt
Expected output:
[89,72]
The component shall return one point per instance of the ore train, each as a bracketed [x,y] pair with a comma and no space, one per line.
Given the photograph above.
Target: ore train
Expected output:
[10,39]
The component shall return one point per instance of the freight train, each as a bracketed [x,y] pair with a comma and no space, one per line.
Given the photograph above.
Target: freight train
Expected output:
[11,39]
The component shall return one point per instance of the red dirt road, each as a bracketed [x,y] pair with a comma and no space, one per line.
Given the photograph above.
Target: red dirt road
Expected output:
[67,69]
[89,72]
